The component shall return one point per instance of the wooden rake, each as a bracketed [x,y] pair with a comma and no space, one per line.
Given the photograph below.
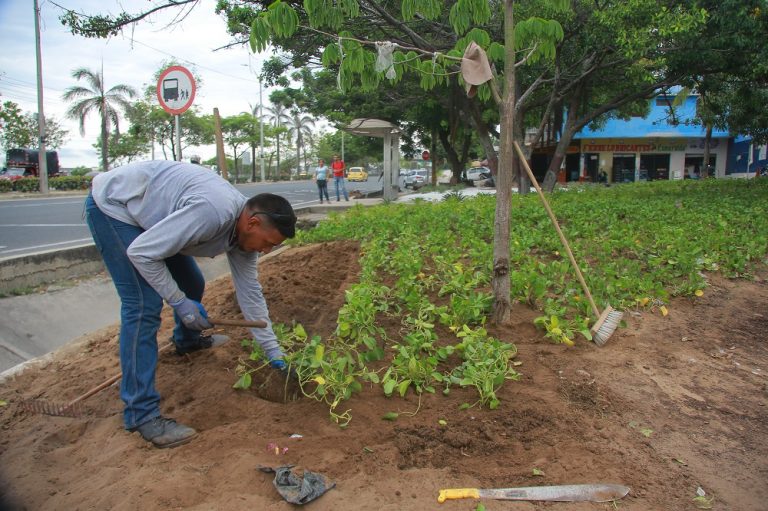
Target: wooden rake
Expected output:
[75,407]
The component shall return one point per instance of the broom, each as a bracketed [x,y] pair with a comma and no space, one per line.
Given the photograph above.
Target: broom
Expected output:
[609,320]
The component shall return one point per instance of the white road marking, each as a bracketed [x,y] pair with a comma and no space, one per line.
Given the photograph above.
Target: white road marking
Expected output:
[15,203]
[45,246]
[43,225]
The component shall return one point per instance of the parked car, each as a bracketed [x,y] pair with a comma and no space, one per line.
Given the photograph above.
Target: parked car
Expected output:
[417,179]
[14,173]
[444,177]
[474,176]
[357,174]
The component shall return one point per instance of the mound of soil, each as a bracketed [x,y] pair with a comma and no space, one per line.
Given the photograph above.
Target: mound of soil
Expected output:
[671,404]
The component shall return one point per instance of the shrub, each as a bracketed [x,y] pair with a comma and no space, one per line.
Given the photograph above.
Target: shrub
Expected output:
[26,184]
[70,182]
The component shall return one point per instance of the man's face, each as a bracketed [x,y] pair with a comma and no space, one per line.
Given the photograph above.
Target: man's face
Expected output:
[256,234]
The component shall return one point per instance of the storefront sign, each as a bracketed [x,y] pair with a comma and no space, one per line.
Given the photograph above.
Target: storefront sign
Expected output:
[644,147]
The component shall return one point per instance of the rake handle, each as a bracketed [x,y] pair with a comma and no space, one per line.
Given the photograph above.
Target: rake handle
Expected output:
[552,217]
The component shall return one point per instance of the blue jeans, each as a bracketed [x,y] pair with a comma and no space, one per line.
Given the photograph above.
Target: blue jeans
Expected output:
[339,181]
[322,186]
[140,312]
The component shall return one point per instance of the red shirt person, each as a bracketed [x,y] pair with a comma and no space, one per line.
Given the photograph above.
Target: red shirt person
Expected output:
[339,170]
[338,167]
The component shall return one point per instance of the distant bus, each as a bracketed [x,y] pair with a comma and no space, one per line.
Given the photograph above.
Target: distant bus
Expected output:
[28,160]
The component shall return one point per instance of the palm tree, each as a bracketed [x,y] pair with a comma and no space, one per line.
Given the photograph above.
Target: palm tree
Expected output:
[278,117]
[95,98]
[299,125]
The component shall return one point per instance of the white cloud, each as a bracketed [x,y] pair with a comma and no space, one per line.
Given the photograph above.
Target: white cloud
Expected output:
[132,58]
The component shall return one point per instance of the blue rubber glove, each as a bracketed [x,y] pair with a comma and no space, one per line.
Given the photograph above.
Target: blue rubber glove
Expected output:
[192,314]
[280,365]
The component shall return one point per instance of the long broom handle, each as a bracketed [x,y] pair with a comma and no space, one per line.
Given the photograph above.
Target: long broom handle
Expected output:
[552,217]
[112,379]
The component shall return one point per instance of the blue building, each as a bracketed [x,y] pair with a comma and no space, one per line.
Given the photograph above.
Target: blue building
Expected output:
[744,157]
[658,146]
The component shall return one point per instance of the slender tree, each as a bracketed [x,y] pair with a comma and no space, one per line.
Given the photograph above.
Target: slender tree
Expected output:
[299,126]
[95,97]
[278,116]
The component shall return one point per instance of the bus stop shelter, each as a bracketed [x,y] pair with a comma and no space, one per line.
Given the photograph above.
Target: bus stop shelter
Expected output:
[391,135]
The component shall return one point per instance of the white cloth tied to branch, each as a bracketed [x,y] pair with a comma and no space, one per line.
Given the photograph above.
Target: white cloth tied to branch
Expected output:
[384,60]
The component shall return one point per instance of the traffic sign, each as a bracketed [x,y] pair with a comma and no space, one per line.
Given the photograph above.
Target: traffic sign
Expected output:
[425,155]
[176,90]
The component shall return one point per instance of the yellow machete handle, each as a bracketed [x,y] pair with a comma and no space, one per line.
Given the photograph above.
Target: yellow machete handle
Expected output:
[458,493]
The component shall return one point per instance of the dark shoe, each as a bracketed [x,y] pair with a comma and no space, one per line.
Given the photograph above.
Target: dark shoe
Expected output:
[204,342]
[164,433]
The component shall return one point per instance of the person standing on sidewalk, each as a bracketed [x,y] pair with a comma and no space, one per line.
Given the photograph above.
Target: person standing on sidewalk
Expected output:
[148,220]
[321,178]
[339,173]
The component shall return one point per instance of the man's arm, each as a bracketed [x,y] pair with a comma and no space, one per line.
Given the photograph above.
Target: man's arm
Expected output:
[250,297]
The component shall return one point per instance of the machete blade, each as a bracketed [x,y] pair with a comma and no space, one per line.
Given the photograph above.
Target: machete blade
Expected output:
[565,493]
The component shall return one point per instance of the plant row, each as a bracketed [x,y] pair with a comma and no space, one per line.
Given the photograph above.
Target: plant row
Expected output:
[429,265]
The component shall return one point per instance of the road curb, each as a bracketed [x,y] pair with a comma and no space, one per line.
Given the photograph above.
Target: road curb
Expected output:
[28,271]
[49,266]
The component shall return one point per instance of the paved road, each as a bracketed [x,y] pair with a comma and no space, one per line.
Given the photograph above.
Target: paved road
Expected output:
[33,225]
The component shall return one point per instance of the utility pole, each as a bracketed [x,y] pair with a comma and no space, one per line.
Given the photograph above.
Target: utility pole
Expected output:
[42,160]
[261,134]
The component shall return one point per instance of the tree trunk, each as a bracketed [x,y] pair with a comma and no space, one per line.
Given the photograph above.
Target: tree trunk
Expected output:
[104,135]
[277,139]
[450,153]
[550,180]
[500,279]
[707,145]
[433,154]
[253,163]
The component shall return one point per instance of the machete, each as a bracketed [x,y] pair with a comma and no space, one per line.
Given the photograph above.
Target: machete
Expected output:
[566,493]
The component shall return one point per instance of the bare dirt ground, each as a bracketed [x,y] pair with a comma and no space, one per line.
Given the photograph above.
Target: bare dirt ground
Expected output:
[669,405]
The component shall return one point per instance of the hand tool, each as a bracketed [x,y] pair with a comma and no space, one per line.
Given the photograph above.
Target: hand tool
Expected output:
[566,493]
[607,322]
[74,407]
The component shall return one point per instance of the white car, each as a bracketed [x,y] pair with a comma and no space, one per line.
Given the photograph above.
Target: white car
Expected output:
[475,174]
[444,177]
[416,179]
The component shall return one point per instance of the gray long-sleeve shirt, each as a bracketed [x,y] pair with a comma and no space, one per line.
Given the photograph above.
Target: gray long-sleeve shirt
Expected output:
[184,209]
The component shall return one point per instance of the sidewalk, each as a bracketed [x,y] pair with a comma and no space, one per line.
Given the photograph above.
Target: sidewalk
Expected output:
[36,324]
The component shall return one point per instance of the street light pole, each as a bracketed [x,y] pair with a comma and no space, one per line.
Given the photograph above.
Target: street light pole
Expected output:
[42,159]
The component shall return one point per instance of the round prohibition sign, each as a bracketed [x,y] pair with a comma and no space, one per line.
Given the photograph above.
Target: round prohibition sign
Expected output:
[176,89]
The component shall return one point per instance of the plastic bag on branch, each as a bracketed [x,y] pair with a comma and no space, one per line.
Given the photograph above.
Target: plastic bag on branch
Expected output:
[384,59]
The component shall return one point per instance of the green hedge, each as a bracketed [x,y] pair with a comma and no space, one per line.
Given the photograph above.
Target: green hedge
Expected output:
[32,184]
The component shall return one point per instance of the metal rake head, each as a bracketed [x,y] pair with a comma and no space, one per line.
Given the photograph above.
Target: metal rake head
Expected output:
[54,409]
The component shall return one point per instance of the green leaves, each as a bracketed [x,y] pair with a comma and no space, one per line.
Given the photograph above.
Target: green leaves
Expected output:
[283,19]
[260,34]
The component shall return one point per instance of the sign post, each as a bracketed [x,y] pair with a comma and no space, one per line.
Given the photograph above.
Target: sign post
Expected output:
[175,92]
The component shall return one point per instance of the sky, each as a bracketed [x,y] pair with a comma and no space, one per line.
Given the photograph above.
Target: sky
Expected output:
[132,58]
